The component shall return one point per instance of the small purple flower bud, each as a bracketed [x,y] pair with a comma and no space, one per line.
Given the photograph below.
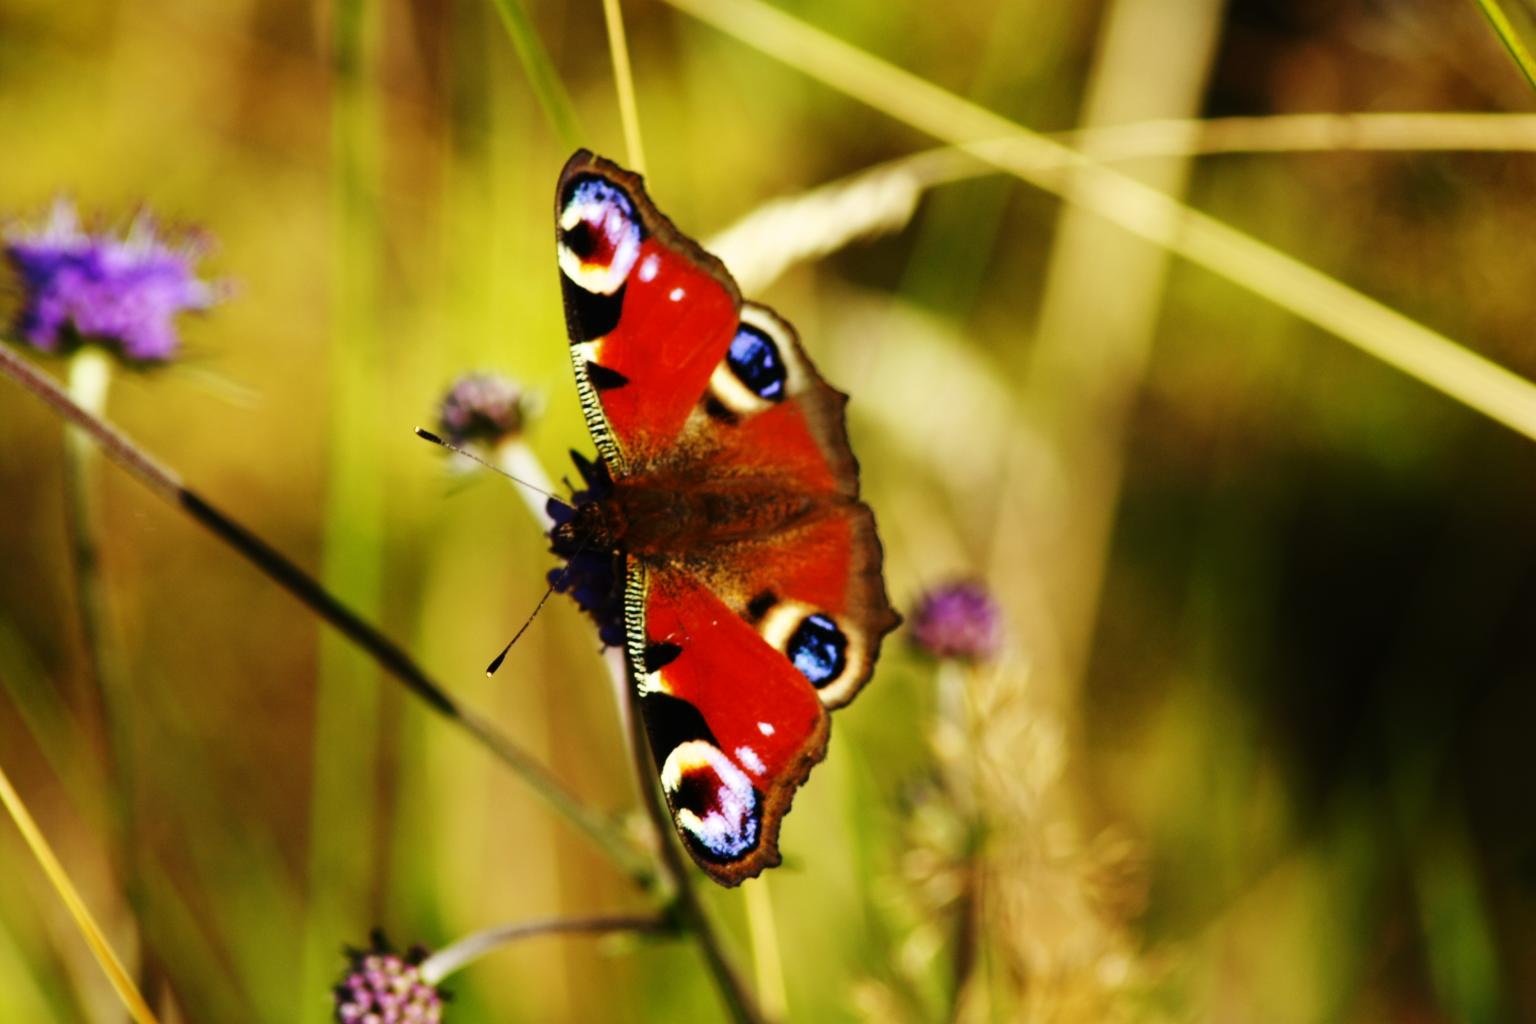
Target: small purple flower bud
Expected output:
[958,620]
[383,987]
[482,407]
[123,293]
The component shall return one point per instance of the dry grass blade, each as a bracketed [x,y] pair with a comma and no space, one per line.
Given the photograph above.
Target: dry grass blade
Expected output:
[883,198]
[59,878]
[1369,325]
[1308,133]
[777,235]
[624,80]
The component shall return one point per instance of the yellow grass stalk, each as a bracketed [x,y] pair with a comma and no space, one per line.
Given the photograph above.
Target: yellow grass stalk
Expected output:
[624,80]
[882,198]
[110,964]
[1371,326]
[768,966]
[1308,133]
[1511,40]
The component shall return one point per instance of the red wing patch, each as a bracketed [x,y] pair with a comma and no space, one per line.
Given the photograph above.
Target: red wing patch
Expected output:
[676,326]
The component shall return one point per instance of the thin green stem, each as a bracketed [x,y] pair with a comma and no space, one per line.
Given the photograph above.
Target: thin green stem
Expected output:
[767,964]
[395,661]
[542,77]
[1506,33]
[90,378]
[346,794]
[470,948]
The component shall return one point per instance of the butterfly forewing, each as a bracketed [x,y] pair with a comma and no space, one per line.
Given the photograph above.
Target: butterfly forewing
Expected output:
[754,596]
[649,314]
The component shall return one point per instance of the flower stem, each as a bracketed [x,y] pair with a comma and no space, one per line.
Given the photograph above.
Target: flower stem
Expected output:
[767,963]
[677,874]
[347,715]
[301,585]
[738,1001]
[90,379]
[451,958]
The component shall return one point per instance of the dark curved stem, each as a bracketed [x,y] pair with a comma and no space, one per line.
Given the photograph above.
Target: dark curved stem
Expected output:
[301,585]
[738,1001]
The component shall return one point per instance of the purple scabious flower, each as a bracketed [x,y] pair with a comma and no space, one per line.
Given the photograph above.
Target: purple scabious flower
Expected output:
[483,407]
[123,293]
[593,577]
[959,620]
[384,987]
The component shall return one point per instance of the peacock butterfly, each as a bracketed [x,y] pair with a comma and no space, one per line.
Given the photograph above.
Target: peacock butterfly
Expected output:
[719,537]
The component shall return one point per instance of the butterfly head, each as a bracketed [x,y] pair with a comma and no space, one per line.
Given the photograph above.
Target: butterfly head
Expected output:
[587,539]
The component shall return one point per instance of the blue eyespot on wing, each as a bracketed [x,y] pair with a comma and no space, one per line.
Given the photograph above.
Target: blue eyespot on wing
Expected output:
[757,363]
[818,649]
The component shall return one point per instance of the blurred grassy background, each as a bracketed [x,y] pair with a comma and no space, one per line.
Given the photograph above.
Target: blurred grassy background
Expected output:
[1274,600]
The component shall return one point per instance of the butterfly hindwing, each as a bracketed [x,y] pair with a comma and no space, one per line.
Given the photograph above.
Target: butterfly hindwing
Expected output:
[734,728]
[754,601]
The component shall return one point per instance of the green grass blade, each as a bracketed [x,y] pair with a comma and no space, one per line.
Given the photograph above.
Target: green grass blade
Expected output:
[547,88]
[344,750]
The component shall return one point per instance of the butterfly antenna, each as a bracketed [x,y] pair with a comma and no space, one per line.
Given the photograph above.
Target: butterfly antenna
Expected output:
[495,664]
[427,435]
[554,585]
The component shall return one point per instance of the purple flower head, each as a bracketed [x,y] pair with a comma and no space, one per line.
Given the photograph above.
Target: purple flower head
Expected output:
[958,620]
[593,575]
[482,407]
[383,987]
[123,293]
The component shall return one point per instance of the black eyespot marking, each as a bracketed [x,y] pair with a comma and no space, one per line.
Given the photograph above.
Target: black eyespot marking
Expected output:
[581,240]
[589,315]
[819,649]
[759,605]
[659,656]
[757,363]
[670,722]
[604,378]
[716,410]
[700,792]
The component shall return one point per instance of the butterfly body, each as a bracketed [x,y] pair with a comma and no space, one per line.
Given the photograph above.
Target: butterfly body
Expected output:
[670,518]
[720,537]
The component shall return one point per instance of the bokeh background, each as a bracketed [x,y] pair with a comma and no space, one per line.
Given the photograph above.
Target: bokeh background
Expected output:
[1258,746]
